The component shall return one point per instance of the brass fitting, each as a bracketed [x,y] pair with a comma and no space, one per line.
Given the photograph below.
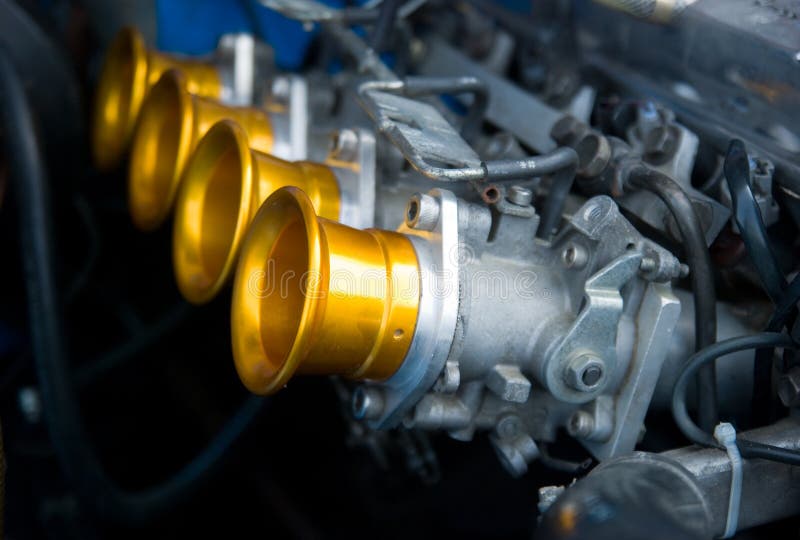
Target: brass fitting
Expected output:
[313,296]
[224,184]
[129,71]
[172,122]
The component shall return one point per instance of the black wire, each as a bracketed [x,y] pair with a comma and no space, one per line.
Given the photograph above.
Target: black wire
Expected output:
[62,414]
[702,276]
[747,215]
[708,356]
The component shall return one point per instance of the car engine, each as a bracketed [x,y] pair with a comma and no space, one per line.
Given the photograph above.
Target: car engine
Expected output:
[381,268]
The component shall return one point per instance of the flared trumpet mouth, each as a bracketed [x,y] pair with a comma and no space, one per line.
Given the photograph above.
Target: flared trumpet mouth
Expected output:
[120,92]
[317,297]
[161,147]
[224,183]
[212,212]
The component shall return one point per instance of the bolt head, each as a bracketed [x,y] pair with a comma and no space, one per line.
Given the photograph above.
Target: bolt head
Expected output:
[586,372]
[580,425]
[519,195]
[594,154]
[574,256]
[565,130]
[422,212]
[344,145]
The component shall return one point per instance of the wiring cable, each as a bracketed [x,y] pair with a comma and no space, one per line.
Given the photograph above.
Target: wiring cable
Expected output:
[702,276]
[692,431]
[747,215]
[74,451]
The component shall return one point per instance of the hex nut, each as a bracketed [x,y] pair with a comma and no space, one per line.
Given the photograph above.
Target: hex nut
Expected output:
[585,373]
[422,212]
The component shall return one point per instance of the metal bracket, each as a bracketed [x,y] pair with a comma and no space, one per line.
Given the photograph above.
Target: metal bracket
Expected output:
[427,140]
[658,315]
[353,160]
[594,331]
[287,106]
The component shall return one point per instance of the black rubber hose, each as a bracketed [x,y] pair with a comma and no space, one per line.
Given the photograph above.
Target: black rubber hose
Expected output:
[68,436]
[562,163]
[747,215]
[384,25]
[702,276]
[706,357]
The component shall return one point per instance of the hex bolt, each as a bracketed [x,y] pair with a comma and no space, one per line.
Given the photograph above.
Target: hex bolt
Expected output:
[566,130]
[574,256]
[422,212]
[789,388]
[344,145]
[581,425]
[585,373]
[367,403]
[519,195]
[594,154]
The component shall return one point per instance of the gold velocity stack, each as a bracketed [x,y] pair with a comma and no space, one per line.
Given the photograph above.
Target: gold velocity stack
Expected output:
[313,296]
[172,122]
[129,72]
[223,186]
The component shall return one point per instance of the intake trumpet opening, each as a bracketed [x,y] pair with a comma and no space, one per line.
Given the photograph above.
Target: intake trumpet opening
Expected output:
[171,124]
[128,73]
[317,297]
[223,185]
[120,92]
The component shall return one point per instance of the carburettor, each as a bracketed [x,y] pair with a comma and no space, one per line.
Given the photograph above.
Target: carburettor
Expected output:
[463,319]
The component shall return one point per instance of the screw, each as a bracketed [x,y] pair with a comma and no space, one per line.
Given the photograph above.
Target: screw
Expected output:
[585,372]
[422,212]
[574,256]
[519,195]
[580,425]
[344,145]
[367,403]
